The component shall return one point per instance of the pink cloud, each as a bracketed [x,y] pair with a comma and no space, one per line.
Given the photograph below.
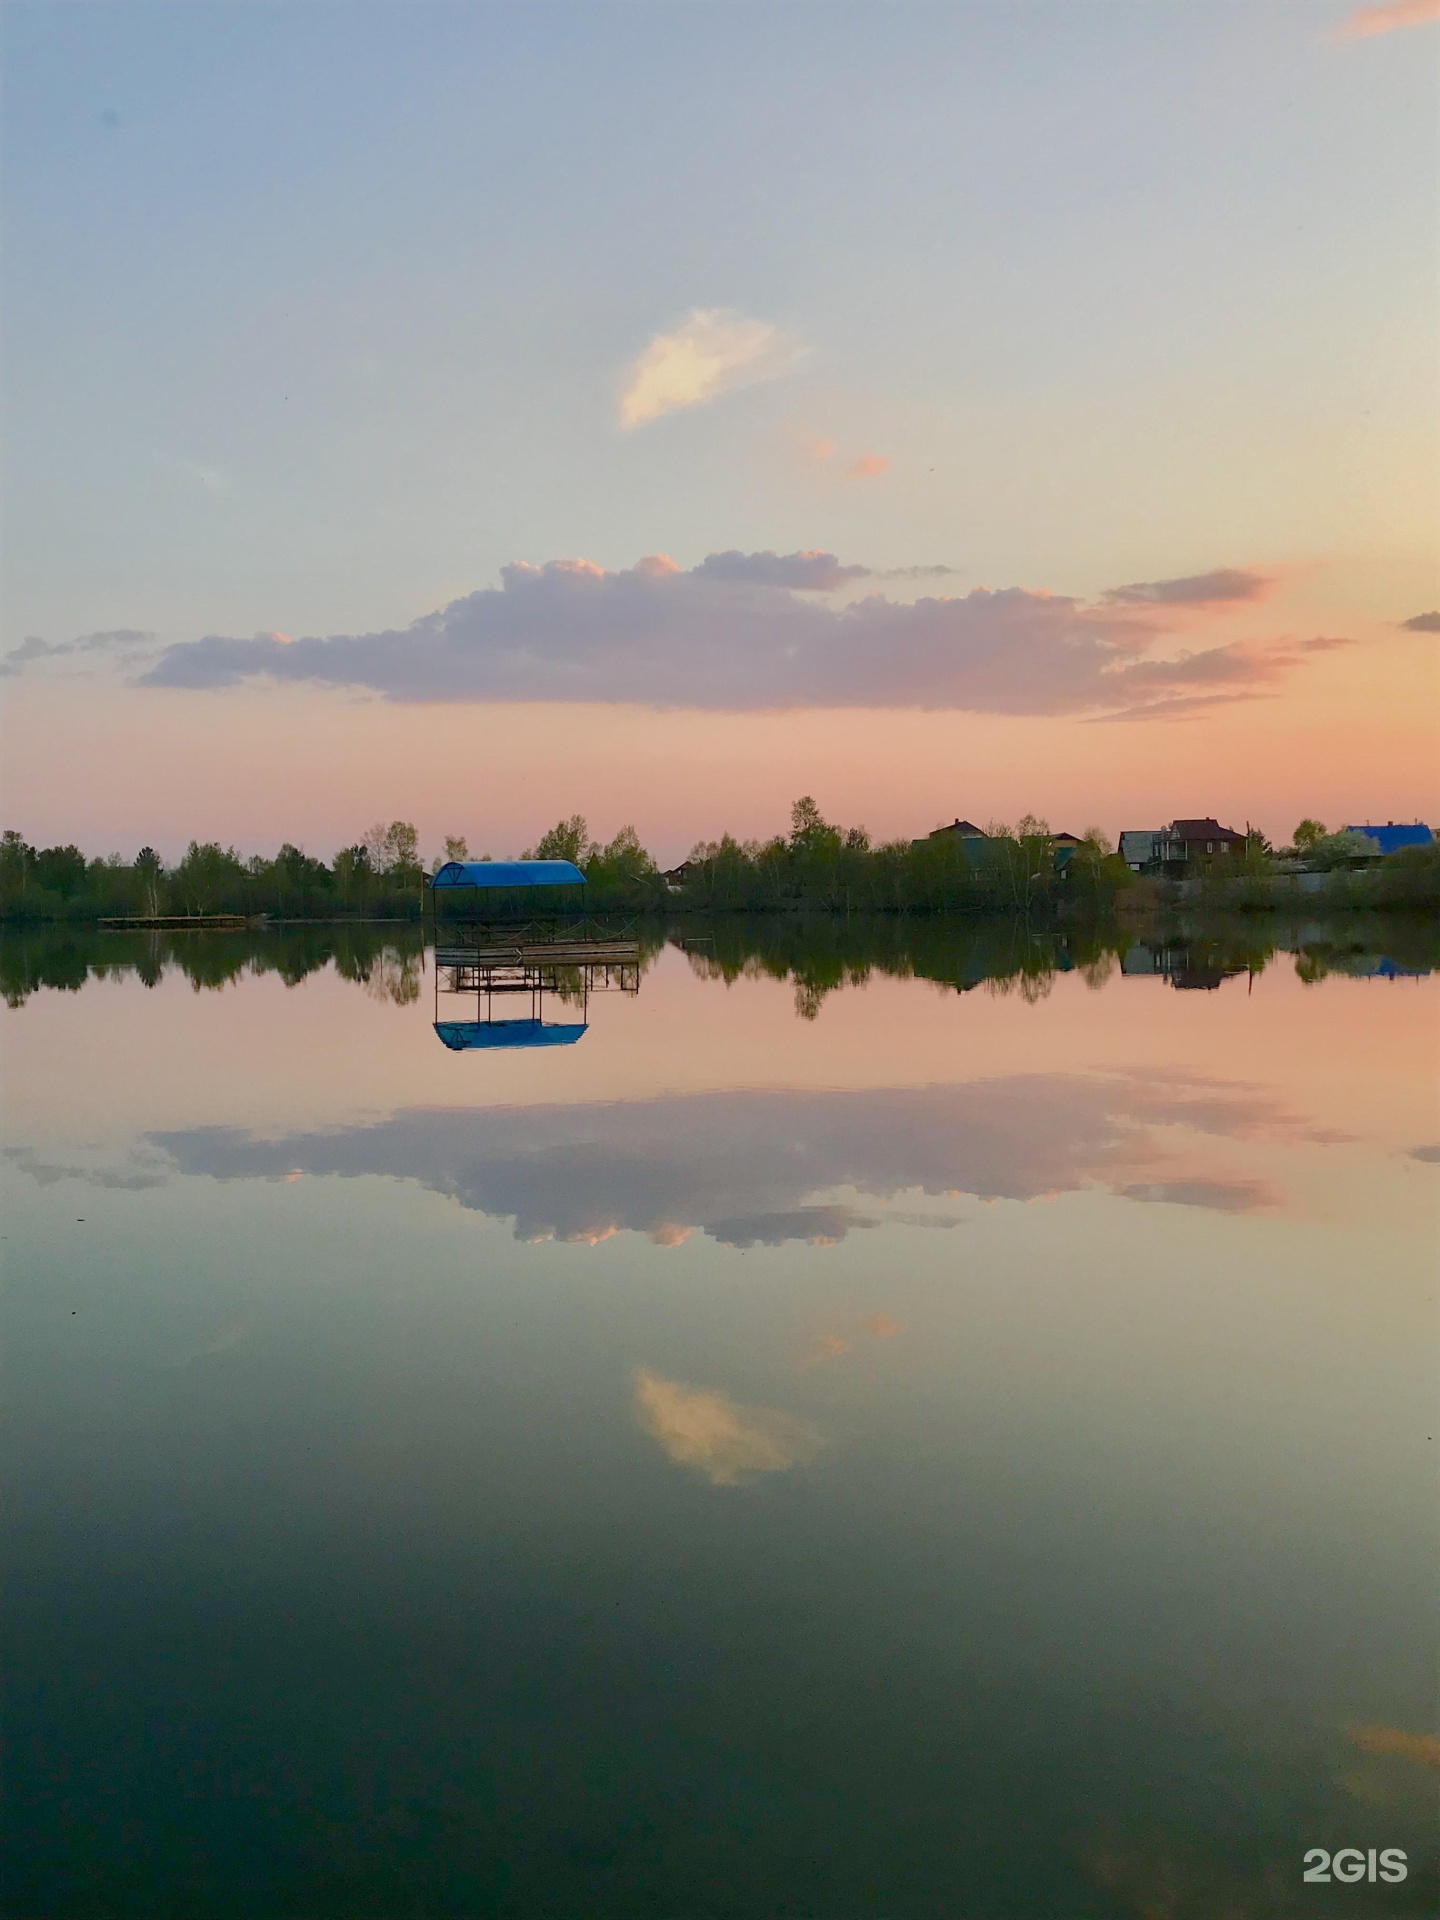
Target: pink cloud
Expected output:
[1366,22]
[868,467]
[1223,586]
[752,632]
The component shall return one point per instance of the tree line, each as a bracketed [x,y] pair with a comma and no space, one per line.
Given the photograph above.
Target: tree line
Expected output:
[378,877]
[818,867]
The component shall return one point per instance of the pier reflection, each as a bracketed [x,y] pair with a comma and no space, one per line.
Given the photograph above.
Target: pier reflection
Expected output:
[508,973]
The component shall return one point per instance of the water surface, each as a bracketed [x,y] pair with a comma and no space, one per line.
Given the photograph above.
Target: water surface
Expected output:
[880,1421]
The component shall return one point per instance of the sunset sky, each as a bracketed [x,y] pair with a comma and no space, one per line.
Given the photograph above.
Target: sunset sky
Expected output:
[476,414]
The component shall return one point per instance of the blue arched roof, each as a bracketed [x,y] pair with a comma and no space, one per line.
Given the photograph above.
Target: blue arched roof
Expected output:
[509,873]
[463,1035]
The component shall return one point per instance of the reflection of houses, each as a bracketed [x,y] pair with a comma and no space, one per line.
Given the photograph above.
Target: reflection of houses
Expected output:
[1180,848]
[1176,966]
[1384,968]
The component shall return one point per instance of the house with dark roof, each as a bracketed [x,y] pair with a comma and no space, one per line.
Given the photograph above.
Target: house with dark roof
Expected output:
[1063,846]
[962,830]
[1180,848]
[971,840]
[1193,840]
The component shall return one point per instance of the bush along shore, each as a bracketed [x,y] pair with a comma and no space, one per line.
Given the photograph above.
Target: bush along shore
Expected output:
[816,868]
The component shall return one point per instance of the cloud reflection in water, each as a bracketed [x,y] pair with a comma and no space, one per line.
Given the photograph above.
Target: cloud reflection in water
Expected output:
[717,1436]
[753,1168]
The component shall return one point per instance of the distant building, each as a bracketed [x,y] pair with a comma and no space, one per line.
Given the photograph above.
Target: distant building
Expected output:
[1177,849]
[961,830]
[1390,838]
[970,839]
[1140,848]
[1192,840]
[1063,846]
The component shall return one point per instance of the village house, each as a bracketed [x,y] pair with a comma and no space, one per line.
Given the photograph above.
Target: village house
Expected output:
[973,839]
[1392,837]
[1179,848]
[1064,846]
[1140,847]
[965,832]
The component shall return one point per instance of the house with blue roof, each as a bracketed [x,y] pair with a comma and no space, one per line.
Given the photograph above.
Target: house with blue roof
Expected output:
[1391,838]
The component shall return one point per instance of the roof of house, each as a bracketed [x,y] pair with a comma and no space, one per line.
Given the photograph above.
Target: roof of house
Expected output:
[1207,829]
[1390,838]
[965,828]
[1065,840]
[508,873]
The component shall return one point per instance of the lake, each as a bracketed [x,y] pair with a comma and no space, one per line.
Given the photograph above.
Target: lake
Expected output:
[843,1420]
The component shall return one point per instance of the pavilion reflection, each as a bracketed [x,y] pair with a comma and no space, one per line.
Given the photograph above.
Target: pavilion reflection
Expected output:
[508,976]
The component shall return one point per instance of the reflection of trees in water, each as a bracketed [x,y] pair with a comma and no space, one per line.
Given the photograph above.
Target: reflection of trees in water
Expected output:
[822,955]
[394,978]
[1031,985]
[819,955]
[567,984]
[35,957]
[816,955]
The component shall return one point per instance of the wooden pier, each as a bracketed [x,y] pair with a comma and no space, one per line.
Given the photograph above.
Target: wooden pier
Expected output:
[178,923]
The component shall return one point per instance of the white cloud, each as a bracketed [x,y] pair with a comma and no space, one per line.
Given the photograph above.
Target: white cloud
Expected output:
[713,351]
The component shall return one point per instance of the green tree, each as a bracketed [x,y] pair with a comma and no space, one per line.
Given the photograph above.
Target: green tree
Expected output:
[60,870]
[211,878]
[622,872]
[17,864]
[1308,834]
[394,849]
[352,873]
[811,835]
[1335,850]
[402,848]
[456,848]
[150,871]
[566,840]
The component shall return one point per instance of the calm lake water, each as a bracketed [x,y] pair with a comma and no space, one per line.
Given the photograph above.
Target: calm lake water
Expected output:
[882,1421]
